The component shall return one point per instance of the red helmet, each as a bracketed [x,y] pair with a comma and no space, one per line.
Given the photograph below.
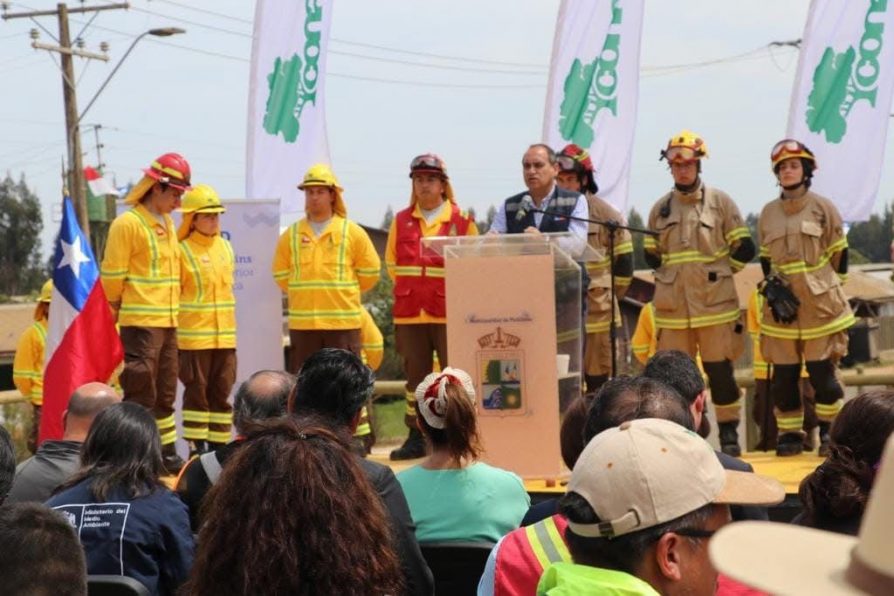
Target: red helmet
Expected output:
[170,168]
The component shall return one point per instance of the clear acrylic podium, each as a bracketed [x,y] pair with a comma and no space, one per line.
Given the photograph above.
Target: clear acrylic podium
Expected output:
[514,322]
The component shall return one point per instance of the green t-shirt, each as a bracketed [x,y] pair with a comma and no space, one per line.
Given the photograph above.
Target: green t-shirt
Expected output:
[479,502]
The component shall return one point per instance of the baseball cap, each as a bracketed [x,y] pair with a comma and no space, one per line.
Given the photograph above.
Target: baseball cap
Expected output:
[790,559]
[648,472]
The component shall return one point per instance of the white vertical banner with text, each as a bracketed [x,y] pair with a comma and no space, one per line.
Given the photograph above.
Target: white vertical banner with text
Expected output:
[286,101]
[594,87]
[841,101]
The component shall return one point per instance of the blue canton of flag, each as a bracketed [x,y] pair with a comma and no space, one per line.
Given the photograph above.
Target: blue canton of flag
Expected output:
[74,267]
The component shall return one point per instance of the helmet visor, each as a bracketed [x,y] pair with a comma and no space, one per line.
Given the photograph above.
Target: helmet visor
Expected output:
[681,154]
[566,163]
[788,148]
[427,163]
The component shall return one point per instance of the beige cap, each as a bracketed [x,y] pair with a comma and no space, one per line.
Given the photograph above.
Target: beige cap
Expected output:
[787,559]
[648,472]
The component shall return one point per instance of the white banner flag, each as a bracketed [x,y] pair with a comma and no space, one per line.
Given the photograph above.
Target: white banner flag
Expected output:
[594,87]
[841,101]
[286,107]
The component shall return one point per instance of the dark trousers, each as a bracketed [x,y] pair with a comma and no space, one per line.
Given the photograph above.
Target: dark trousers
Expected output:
[149,377]
[207,377]
[306,342]
[415,344]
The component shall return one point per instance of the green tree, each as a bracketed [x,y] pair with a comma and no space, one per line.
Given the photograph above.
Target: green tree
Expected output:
[21,269]
[872,238]
[751,222]
[388,218]
[635,220]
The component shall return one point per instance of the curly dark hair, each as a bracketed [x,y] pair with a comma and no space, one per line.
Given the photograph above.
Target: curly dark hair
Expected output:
[293,513]
[835,494]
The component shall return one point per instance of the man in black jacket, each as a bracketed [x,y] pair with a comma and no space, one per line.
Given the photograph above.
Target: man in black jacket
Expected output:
[335,384]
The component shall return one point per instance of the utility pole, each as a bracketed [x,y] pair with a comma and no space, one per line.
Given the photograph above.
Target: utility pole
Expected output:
[99,146]
[76,184]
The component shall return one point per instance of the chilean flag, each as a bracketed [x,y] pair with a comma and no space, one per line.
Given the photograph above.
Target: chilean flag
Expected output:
[82,342]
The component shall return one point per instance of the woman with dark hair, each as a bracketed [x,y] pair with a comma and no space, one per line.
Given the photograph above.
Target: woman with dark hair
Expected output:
[128,522]
[835,494]
[293,513]
[452,496]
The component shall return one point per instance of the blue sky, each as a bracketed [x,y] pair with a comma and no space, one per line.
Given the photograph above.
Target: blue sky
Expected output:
[479,108]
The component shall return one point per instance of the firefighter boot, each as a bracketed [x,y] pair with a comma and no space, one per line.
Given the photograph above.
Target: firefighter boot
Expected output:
[729,438]
[825,441]
[197,447]
[413,447]
[789,444]
[172,462]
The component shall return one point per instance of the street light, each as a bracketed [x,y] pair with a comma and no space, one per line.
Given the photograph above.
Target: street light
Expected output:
[160,32]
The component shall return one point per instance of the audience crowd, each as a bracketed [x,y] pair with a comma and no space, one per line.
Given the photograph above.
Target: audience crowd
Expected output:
[290,507]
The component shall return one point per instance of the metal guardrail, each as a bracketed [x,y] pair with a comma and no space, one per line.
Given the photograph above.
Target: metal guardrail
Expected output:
[852,378]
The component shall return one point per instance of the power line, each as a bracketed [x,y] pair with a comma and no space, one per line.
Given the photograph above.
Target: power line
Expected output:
[189,22]
[206,11]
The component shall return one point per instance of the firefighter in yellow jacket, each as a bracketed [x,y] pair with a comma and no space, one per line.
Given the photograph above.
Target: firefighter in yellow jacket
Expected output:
[702,241]
[323,262]
[27,366]
[420,309]
[803,250]
[372,351]
[761,412]
[576,174]
[141,278]
[206,333]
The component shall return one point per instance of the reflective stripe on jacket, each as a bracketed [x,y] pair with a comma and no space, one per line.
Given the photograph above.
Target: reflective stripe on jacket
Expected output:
[803,238]
[525,553]
[324,275]
[697,233]
[27,366]
[141,269]
[419,274]
[207,305]
[599,292]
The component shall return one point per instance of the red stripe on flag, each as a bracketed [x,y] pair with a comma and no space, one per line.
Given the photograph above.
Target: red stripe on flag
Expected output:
[89,351]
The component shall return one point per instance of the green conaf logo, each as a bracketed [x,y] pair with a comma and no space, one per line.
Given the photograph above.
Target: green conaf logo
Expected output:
[291,87]
[592,87]
[840,80]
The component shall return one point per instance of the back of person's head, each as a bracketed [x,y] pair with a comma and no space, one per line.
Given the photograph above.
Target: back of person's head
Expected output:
[122,451]
[7,463]
[571,432]
[261,397]
[322,528]
[644,497]
[85,403]
[41,553]
[445,402]
[678,370]
[628,398]
[838,490]
[333,384]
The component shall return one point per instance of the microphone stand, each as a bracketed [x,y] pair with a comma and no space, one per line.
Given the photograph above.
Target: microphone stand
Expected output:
[612,226]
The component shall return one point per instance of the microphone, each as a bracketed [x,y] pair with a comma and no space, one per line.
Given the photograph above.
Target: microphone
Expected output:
[527,204]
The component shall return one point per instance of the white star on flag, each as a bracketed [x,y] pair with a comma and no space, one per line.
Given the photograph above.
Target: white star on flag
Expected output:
[73,256]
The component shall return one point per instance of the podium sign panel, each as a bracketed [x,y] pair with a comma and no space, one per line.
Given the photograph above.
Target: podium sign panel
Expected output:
[514,324]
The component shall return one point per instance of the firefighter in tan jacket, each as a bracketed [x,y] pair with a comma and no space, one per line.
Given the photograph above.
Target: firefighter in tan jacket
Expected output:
[576,174]
[803,243]
[206,335]
[141,279]
[702,242]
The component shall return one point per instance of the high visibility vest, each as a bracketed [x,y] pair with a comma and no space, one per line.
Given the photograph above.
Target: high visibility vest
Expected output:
[141,269]
[27,366]
[419,275]
[526,552]
[207,304]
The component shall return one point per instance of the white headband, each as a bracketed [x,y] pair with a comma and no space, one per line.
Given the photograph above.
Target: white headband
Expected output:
[431,394]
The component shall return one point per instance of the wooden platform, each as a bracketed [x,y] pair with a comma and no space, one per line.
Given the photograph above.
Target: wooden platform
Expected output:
[787,470]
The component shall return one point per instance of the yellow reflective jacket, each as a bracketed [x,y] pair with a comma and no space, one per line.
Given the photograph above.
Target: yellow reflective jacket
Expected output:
[372,344]
[207,306]
[324,275]
[27,367]
[141,269]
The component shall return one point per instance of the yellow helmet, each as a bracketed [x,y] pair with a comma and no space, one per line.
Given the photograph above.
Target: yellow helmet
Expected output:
[46,291]
[201,199]
[685,146]
[321,175]
[789,148]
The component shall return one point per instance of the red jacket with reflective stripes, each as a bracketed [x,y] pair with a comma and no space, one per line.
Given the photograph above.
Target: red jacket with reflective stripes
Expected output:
[525,554]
